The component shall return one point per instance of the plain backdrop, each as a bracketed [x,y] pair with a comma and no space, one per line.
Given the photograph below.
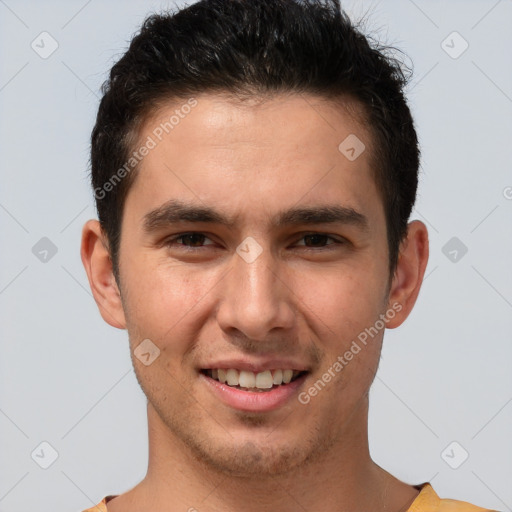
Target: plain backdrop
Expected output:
[441,406]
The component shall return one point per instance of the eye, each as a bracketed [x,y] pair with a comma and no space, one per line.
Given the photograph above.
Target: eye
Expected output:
[319,238]
[193,238]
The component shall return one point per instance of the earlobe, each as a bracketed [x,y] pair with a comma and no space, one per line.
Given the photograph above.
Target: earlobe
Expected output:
[98,266]
[408,277]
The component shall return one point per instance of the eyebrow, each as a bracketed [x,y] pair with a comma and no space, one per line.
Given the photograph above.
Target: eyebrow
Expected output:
[175,211]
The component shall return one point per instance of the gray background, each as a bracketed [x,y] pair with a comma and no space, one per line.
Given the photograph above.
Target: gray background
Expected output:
[66,376]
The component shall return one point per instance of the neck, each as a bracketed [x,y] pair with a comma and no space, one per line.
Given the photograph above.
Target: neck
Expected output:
[345,478]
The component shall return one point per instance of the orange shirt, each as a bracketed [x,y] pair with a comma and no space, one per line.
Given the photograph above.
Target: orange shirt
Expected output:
[426,501]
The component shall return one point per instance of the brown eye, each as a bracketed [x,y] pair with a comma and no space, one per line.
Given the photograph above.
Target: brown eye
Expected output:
[319,240]
[192,240]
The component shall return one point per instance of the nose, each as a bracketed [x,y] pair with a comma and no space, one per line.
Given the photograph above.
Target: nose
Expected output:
[256,297]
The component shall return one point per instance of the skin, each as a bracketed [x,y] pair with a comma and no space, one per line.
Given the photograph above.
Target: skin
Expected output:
[303,298]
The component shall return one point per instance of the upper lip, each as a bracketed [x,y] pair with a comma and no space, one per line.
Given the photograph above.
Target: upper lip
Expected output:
[256,366]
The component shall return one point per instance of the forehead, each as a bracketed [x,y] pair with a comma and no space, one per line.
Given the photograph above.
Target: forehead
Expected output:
[296,118]
[255,155]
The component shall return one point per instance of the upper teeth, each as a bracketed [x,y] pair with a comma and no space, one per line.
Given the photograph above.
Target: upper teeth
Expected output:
[246,379]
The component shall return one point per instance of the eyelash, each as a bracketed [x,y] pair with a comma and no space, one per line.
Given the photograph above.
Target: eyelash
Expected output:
[171,241]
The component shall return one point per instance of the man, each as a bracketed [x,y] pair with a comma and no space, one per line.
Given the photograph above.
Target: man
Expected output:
[255,164]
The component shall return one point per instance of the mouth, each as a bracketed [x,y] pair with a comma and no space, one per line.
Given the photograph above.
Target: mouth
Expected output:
[257,392]
[251,381]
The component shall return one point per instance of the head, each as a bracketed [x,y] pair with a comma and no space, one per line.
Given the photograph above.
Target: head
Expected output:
[249,110]
[250,50]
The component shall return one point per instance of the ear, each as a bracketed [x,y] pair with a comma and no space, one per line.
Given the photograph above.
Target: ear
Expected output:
[98,265]
[408,277]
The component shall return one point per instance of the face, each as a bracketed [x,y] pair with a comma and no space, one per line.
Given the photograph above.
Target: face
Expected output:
[251,243]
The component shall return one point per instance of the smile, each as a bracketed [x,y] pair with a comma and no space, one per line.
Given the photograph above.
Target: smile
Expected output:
[248,391]
[251,381]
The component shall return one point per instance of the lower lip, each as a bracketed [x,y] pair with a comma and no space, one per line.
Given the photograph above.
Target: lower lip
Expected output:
[254,401]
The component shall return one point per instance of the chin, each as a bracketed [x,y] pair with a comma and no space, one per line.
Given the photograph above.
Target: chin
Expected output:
[250,459]
[246,445]
[256,453]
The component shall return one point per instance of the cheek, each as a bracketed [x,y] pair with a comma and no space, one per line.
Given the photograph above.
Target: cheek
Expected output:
[345,307]
[346,300]
[161,297]
[346,310]
[172,303]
